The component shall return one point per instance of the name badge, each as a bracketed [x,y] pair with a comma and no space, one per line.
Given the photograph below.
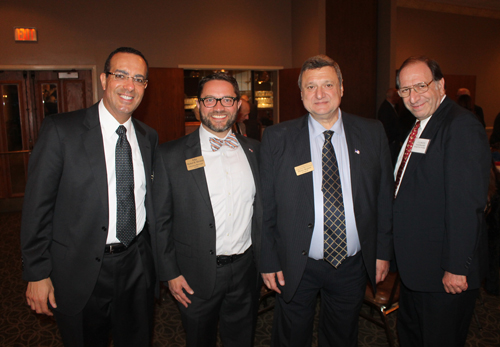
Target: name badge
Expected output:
[304,168]
[420,146]
[195,163]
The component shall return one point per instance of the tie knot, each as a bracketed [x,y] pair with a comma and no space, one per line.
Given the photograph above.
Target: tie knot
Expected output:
[121,130]
[328,135]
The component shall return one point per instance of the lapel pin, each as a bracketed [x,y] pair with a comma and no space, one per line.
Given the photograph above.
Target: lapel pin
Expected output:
[251,150]
[356,151]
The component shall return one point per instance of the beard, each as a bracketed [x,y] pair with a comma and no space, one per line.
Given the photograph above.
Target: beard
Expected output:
[206,120]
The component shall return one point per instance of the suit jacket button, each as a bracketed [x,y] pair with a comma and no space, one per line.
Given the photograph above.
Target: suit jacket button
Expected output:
[304,253]
[310,225]
[211,225]
[104,229]
[98,259]
[211,252]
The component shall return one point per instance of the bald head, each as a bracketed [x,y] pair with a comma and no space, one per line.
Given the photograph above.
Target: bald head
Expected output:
[244,111]
[463,91]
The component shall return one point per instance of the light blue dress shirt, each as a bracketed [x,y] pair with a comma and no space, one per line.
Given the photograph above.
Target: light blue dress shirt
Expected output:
[316,140]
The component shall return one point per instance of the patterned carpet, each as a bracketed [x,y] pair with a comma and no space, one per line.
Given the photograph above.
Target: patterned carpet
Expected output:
[19,327]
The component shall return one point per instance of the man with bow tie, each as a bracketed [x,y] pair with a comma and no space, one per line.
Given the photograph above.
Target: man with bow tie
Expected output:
[207,199]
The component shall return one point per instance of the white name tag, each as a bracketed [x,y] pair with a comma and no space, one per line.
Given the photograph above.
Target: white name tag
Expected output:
[420,146]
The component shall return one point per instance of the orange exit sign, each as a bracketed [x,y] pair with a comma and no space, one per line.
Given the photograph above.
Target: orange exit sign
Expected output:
[25,34]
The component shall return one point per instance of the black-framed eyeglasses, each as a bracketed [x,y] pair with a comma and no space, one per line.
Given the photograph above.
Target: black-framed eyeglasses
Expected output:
[210,101]
[420,88]
[140,81]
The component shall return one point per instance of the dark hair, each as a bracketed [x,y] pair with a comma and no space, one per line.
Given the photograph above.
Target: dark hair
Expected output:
[437,75]
[317,62]
[107,64]
[219,76]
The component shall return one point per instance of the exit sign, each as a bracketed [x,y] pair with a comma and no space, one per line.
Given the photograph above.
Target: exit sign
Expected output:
[25,34]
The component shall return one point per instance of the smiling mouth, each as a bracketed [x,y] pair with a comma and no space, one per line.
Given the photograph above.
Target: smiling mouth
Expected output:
[126,97]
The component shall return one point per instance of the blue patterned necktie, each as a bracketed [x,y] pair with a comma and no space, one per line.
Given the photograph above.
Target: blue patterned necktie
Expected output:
[125,201]
[334,216]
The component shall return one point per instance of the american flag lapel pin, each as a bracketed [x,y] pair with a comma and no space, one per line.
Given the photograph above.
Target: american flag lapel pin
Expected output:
[251,150]
[356,151]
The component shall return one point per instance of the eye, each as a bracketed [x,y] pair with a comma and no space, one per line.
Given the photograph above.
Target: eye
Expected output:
[329,85]
[139,79]
[209,100]
[119,76]
[227,100]
[404,90]
[310,87]
[421,86]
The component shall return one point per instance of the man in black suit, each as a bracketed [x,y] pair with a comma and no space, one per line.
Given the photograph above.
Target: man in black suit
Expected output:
[88,260]
[388,115]
[297,170]
[478,110]
[209,215]
[442,180]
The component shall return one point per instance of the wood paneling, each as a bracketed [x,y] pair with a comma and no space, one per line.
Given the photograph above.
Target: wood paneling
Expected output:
[289,101]
[162,107]
[351,40]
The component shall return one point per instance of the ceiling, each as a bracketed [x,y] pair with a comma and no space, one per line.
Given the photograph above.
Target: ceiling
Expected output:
[484,4]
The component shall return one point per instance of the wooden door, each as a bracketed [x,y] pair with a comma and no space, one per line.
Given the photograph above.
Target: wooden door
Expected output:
[27,97]
[162,107]
[289,100]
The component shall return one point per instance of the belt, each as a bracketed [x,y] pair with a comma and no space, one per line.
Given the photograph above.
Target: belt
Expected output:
[114,248]
[227,259]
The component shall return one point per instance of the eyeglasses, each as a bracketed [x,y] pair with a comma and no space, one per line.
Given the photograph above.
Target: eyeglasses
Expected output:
[420,88]
[140,81]
[210,101]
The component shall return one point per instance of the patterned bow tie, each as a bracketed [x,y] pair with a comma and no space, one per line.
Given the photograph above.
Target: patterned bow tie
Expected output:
[217,143]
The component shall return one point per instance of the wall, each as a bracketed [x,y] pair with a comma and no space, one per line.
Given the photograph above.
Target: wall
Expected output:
[169,33]
[462,45]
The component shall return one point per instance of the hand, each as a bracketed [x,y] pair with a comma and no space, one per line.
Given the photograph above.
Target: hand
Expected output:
[37,295]
[270,281]
[382,269]
[454,284]
[177,287]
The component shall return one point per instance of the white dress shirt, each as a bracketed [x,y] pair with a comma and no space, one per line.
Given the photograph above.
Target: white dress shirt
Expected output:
[109,124]
[317,140]
[231,187]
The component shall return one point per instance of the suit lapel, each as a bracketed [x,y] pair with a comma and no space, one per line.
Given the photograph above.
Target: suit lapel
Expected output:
[353,140]
[94,148]
[429,132]
[251,157]
[193,150]
[145,147]
[302,147]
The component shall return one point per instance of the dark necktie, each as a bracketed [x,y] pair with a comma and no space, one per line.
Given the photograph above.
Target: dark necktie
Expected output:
[409,146]
[230,141]
[334,216]
[125,202]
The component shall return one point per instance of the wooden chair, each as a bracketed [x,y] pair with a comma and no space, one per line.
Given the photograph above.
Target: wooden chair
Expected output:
[385,301]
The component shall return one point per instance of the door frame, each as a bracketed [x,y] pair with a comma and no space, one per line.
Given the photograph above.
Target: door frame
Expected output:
[93,68]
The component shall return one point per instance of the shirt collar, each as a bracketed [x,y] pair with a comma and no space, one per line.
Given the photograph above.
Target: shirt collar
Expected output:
[317,129]
[109,124]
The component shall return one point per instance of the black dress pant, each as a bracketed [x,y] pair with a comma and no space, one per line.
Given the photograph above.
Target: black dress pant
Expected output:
[121,306]
[342,292]
[434,319]
[233,306]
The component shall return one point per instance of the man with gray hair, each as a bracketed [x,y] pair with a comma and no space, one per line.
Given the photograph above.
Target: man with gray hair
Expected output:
[327,195]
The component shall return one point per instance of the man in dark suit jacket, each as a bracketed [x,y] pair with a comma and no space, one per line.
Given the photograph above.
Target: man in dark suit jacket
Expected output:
[73,254]
[439,227]
[478,110]
[209,216]
[389,117]
[294,237]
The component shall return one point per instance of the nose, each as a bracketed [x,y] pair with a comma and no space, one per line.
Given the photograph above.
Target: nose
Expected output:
[319,92]
[129,84]
[414,96]
[218,105]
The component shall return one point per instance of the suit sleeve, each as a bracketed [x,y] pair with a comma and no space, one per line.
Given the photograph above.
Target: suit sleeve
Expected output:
[163,206]
[44,173]
[269,259]
[467,161]
[385,199]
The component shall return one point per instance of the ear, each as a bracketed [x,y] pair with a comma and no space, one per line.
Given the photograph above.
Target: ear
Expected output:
[441,85]
[301,94]
[239,104]
[197,104]
[342,89]
[103,80]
